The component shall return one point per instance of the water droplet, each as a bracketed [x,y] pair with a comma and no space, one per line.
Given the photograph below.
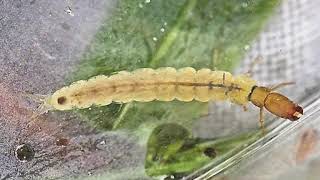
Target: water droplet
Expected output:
[103,142]
[155,39]
[140,5]
[246,47]
[148,1]
[162,29]
[165,23]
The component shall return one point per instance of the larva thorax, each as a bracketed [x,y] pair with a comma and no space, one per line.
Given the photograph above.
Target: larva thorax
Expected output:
[163,84]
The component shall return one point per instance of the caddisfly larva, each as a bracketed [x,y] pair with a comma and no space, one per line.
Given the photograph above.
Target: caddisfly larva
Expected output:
[167,84]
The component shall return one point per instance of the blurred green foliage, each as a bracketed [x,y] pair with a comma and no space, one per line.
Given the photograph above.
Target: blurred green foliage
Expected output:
[171,150]
[197,33]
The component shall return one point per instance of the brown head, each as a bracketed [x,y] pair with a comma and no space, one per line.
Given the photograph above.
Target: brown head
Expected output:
[275,103]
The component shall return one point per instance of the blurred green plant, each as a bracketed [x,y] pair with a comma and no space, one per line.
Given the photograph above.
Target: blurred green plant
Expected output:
[171,150]
[197,33]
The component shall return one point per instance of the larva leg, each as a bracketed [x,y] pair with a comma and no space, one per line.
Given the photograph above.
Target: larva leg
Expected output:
[229,89]
[223,83]
[224,78]
[277,86]
[261,120]
[256,61]
[245,108]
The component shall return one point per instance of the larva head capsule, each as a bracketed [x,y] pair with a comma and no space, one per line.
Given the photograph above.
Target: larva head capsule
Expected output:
[283,107]
[275,103]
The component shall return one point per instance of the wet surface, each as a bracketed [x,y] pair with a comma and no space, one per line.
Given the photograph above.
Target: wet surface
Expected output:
[42,41]
[40,45]
[36,148]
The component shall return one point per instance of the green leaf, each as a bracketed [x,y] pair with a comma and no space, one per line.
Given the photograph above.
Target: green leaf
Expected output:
[197,33]
[171,150]
[184,155]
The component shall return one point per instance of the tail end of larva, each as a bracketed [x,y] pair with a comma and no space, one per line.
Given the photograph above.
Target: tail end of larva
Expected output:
[38,98]
[43,106]
[42,109]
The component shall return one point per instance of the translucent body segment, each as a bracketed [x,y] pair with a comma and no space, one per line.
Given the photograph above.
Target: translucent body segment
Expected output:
[223,79]
[185,91]
[166,84]
[202,92]
[122,84]
[246,84]
[146,88]
[98,91]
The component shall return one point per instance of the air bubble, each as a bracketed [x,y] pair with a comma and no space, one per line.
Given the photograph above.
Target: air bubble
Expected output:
[24,152]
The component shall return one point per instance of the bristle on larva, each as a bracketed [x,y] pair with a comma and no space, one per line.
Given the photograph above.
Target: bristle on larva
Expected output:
[145,84]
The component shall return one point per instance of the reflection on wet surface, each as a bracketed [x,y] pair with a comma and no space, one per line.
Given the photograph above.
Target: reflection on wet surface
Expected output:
[54,147]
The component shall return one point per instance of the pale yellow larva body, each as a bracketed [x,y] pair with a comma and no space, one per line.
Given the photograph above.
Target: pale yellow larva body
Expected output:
[145,84]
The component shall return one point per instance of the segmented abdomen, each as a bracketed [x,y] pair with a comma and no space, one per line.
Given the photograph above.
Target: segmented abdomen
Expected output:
[163,84]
